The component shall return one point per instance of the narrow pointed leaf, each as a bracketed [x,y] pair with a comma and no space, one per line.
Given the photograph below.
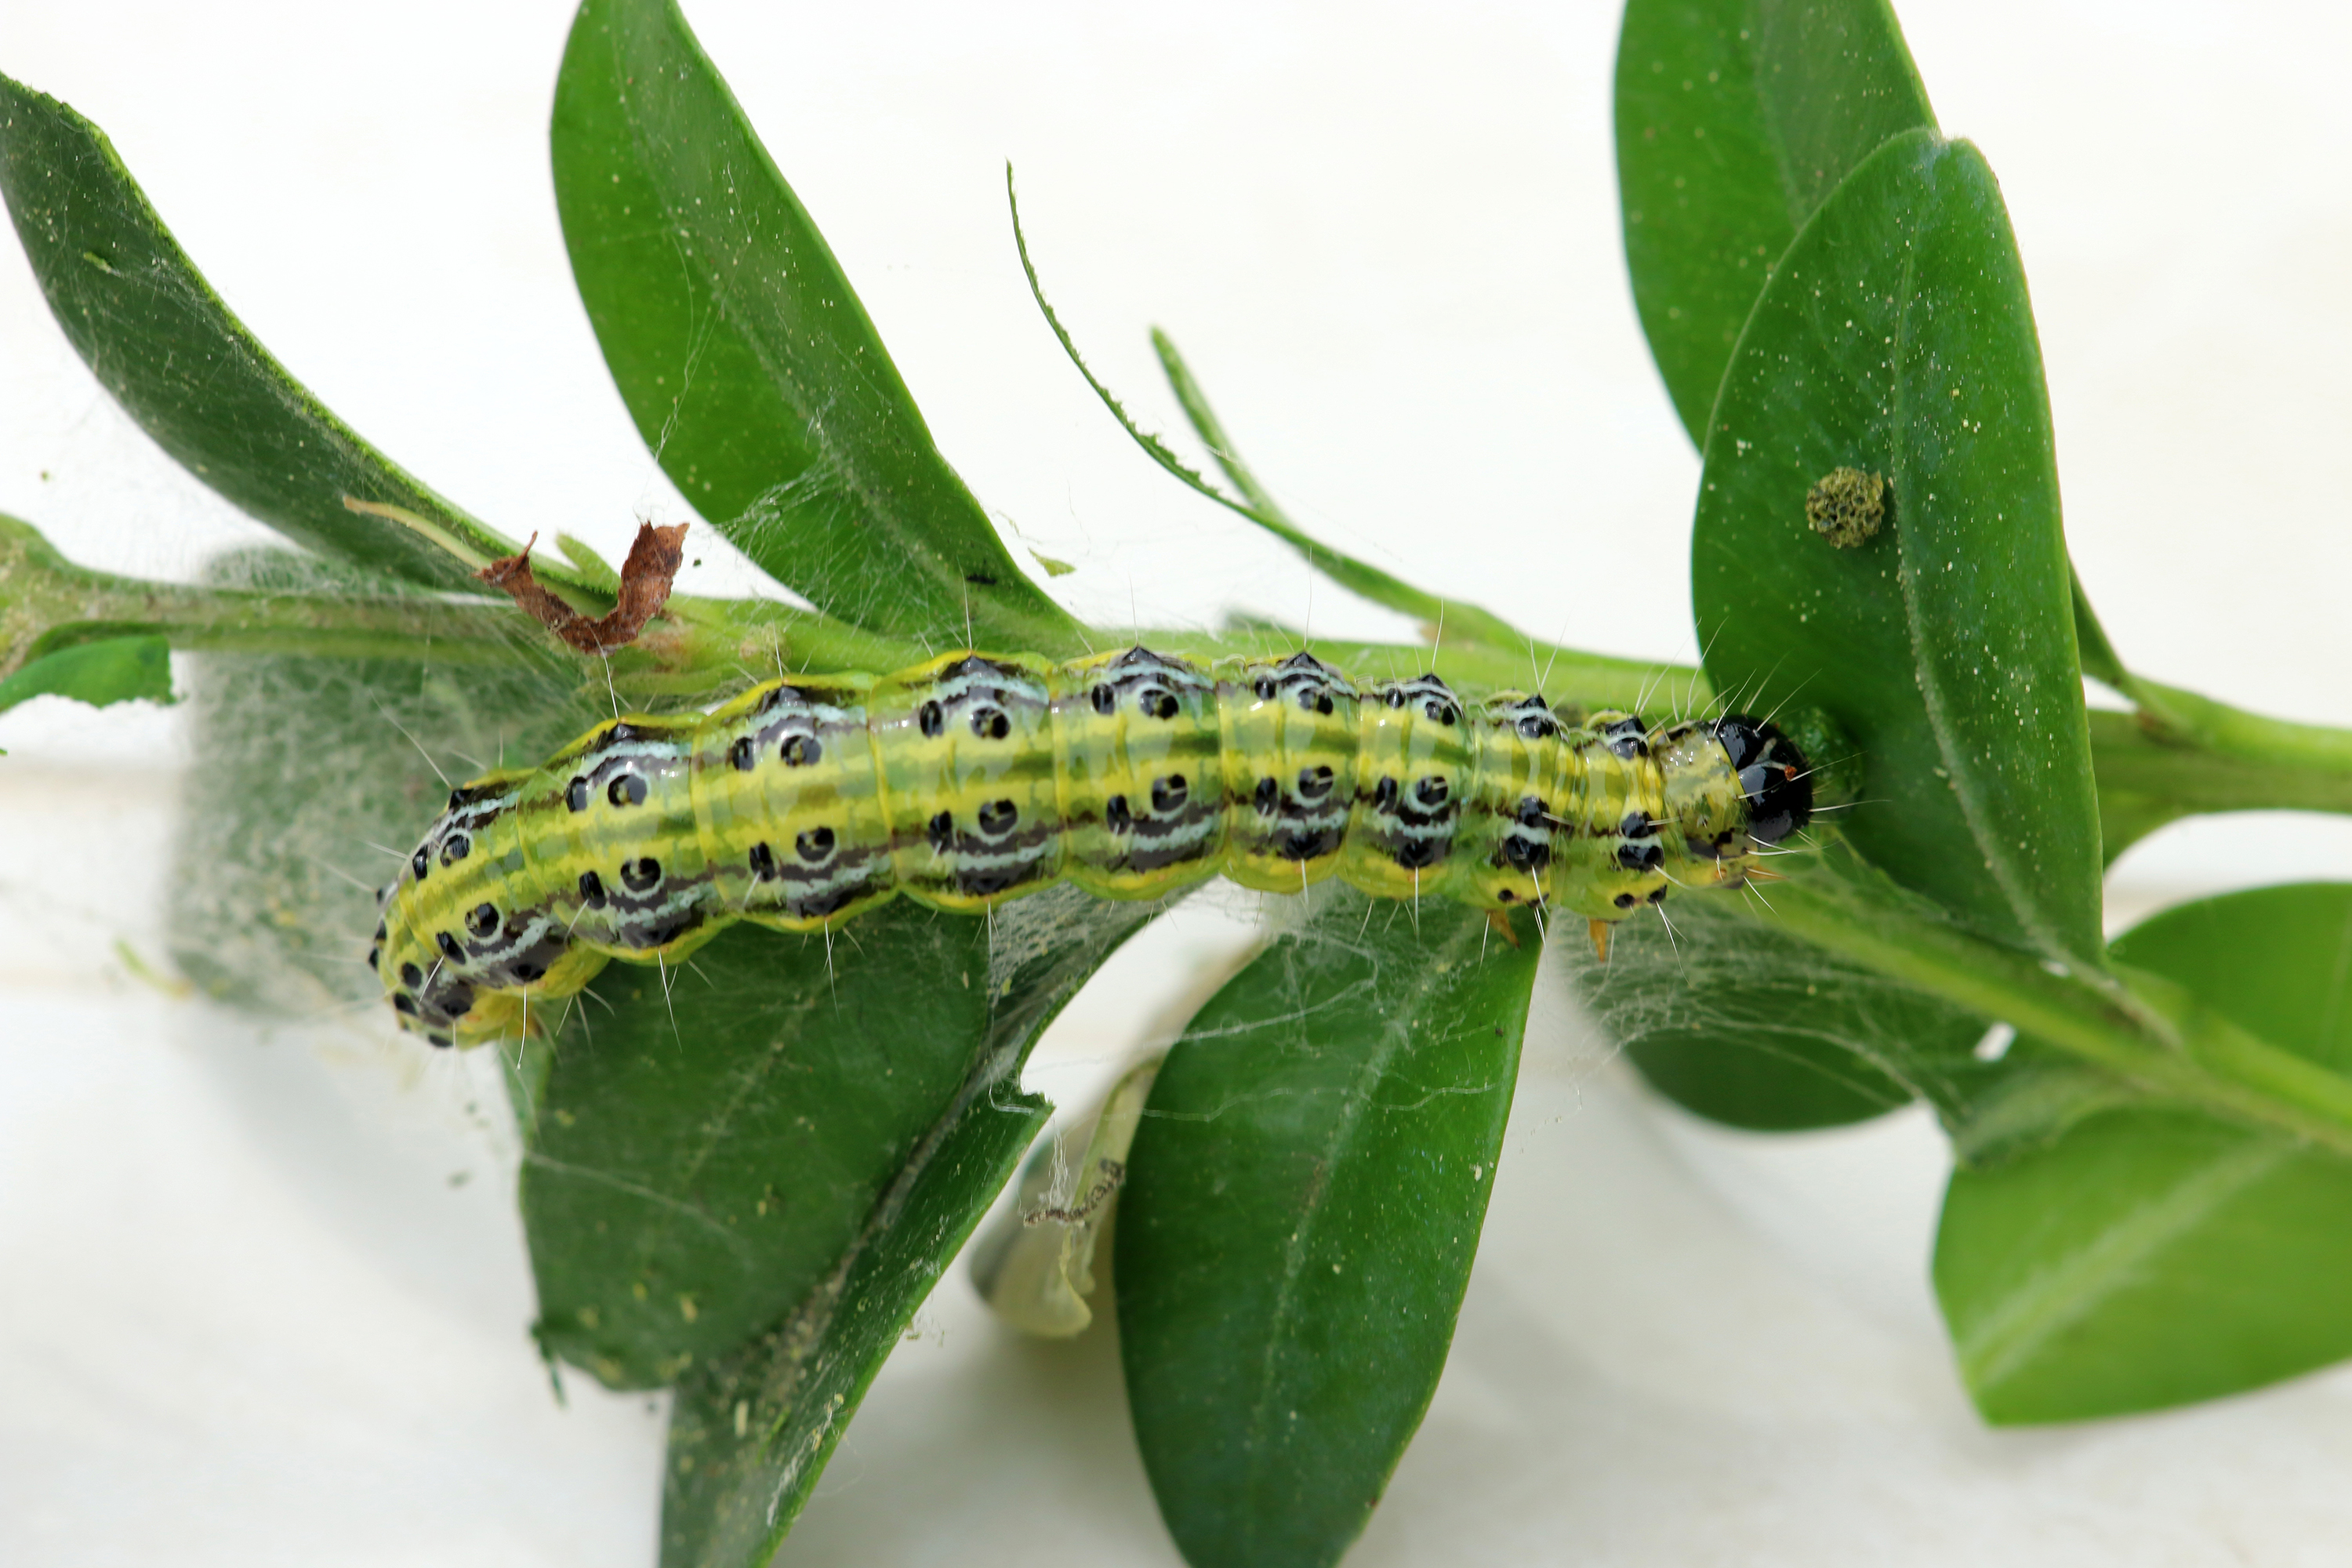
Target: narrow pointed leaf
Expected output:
[182,366]
[752,370]
[2152,1255]
[1735,119]
[1896,340]
[1303,1202]
[1257,502]
[1461,619]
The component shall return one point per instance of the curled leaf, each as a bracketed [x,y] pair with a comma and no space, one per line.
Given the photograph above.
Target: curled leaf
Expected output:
[1036,1264]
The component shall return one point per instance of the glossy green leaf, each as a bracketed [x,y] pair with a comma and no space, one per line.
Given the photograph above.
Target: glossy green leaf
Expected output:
[301,768]
[1303,1202]
[1896,340]
[118,669]
[1735,119]
[749,1436]
[2153,1256]
[744,356]
[710,1142]
[744,1176]
[1754,1028]
[184,367]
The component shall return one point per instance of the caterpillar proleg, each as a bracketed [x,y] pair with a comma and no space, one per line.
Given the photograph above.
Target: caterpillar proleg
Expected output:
[978,777]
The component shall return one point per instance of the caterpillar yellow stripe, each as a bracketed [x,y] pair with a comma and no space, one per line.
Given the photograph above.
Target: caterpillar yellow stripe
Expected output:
[979,777]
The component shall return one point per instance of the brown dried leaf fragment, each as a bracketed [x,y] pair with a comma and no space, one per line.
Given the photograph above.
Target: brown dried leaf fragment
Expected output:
[645,578]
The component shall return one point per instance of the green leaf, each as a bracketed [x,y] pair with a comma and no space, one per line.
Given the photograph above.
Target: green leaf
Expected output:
[118,669]
[2154,1255]
[710,1141]
[1752,1028]
[1459,619]
[748,1438]
[745,358]
[746,1174]
[1303,1202]
[1258,503]
[301,767]
[1896,340]
[184,367]
[1735,119]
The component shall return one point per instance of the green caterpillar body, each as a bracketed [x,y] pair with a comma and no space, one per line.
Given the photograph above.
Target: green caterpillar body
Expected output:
[978,777]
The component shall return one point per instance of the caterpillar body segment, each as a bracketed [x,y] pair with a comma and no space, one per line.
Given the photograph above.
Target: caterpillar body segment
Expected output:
[976,778]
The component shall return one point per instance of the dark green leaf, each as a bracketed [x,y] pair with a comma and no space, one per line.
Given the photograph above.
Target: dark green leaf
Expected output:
[1303,1202]
[301,768]
[185,369]
[1735,119]
[2155,1256]
[711,1141]
[744,355]
[1746,1026]
[746,1175]
[1896,340]
[2033,1096]
[748,1438]
[118,669]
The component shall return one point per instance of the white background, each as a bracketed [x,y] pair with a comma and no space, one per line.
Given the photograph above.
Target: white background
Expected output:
[262,1293]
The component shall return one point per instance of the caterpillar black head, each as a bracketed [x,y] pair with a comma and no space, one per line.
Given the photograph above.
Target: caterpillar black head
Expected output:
[1773,775]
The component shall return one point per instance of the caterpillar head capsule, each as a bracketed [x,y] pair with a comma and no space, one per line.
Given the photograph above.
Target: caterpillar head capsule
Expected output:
[1774,777]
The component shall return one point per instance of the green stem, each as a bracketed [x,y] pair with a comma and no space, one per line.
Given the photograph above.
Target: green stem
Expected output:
[225,621]
[2149,773]
[2138,1028]
[2190,754]
[2184,720]
[699,646]
[46,604]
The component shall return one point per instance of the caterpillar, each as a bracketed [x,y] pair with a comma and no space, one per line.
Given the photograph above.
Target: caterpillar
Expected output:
[978,777]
